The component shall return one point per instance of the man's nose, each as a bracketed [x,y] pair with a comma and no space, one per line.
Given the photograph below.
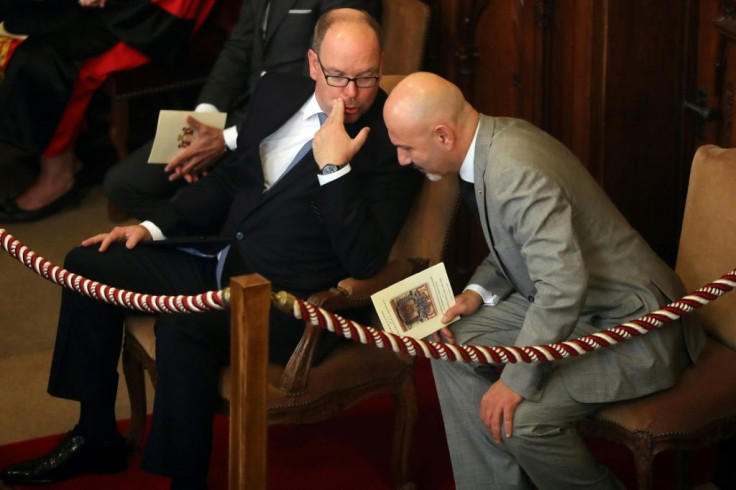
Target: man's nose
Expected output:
[351,89]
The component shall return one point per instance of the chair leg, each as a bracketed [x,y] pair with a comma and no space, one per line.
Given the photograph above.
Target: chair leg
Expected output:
[406,416]
[682,463]
[644,462]
[136,383]
[725,472]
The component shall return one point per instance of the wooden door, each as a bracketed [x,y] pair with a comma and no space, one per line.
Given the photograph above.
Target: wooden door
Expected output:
[709,104]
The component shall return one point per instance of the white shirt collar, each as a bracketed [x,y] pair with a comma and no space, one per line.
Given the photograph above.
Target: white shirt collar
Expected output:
[310,108]
[467,169]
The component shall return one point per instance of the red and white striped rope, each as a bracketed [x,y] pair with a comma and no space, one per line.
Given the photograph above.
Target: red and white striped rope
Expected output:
[529,354]
[210,300]
[219,300]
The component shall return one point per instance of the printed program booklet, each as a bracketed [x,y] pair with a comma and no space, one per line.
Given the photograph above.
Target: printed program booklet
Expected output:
[414,306]
[173,134]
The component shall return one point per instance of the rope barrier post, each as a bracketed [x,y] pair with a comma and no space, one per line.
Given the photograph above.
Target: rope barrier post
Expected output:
[250,304]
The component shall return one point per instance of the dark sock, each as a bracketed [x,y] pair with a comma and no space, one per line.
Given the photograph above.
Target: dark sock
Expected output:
[97,424]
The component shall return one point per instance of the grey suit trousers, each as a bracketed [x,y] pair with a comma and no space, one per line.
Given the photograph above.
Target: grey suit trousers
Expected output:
[543,450]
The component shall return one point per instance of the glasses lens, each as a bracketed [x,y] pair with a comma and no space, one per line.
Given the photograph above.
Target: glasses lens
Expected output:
[337,81]
[365,82]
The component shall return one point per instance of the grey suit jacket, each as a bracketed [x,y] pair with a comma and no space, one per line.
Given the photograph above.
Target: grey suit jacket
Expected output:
[556,239]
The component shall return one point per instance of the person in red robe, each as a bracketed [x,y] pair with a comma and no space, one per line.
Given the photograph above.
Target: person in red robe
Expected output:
[52,75]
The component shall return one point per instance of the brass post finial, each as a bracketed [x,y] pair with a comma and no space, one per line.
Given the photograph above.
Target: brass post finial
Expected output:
[283,301]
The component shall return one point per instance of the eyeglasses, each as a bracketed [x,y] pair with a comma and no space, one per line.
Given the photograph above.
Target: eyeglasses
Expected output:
[340,81]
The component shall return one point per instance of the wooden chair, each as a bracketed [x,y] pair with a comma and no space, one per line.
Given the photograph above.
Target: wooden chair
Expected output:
[701,408]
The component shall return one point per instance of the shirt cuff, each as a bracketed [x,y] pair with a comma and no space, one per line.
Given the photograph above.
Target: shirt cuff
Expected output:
[231,137]
[326,179]
[154,230]
[205,107]
[488,297]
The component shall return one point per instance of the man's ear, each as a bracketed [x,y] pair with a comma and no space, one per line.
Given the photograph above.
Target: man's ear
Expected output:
[314,70]
[444,136]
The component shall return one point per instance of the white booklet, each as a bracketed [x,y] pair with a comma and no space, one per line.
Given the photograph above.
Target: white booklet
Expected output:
[414,306]
[173,134]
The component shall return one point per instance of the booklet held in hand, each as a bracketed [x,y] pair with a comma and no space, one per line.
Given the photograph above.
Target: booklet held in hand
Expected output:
[414,306]
[173,134]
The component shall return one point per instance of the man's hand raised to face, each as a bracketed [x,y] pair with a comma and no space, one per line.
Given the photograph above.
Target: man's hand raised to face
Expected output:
[332,144]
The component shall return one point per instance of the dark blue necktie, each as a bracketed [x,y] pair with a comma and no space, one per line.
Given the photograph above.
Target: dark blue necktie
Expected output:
[467,189]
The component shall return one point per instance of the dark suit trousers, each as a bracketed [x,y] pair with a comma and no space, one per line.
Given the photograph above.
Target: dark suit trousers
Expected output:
[191,349]
[139,188]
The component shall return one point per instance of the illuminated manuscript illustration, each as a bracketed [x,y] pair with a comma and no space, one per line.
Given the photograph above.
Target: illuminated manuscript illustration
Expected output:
[414,306]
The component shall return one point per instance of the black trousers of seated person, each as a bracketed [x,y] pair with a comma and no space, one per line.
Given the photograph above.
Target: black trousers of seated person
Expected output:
[191,349]
[139,188]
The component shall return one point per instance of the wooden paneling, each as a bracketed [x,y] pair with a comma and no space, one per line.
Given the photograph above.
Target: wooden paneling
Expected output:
[724,83]
[603,76]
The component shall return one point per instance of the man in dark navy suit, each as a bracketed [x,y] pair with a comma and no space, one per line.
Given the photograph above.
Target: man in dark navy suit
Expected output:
[334,213]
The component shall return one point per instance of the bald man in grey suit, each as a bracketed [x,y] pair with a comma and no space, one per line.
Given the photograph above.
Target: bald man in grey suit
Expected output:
[563,263]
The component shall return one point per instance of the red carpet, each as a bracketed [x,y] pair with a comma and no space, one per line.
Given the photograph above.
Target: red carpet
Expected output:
[351,451]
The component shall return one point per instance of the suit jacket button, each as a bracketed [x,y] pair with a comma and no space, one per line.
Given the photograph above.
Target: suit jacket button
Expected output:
[531,299]
[239,235]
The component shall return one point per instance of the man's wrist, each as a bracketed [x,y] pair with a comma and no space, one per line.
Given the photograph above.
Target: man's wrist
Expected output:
[331,168]
[488,297]
[155,231]
[230,135]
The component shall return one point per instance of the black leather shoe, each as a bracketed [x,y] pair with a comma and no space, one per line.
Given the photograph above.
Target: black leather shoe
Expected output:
[11,213]
[72,457]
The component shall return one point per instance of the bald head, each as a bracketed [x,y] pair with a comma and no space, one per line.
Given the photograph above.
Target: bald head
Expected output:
[425,98]
[427,110]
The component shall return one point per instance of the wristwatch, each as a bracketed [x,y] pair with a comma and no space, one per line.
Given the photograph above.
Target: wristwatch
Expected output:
[331,168]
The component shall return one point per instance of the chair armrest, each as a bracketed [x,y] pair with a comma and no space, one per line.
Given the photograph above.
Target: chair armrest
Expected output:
[296,372]
[349,293]
[357,292]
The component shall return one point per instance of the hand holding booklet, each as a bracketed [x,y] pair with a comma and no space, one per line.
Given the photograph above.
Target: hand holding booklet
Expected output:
[414,306]
[174,135]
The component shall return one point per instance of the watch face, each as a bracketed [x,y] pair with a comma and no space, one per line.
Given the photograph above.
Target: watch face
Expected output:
[330,168]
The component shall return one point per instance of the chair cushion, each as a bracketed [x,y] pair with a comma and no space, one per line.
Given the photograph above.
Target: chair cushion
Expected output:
[705,393]
[404,24]
[708,239]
